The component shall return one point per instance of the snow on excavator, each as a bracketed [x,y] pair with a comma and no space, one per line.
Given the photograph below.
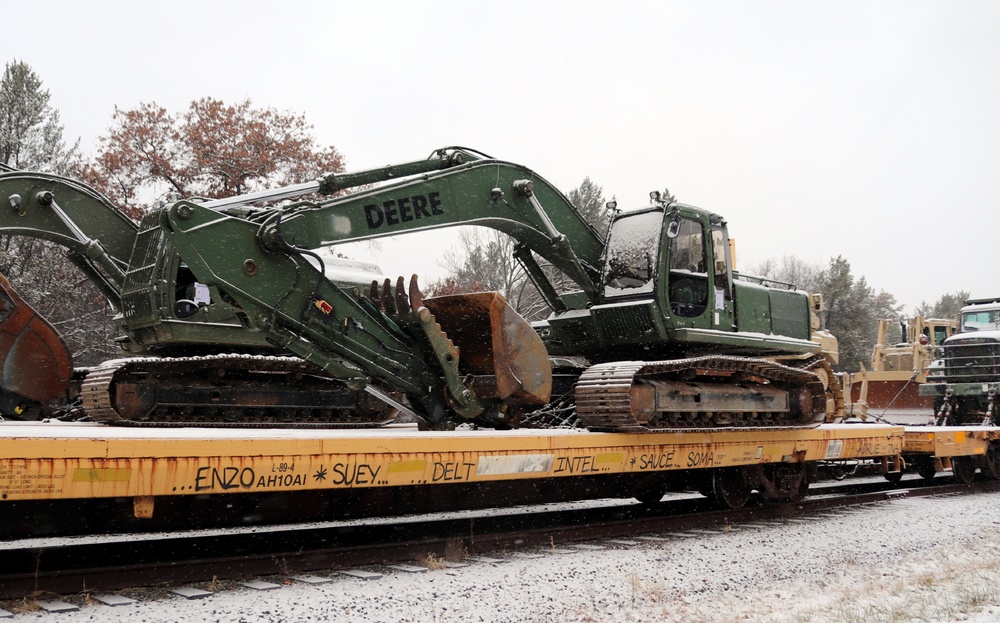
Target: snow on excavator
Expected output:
[235,318]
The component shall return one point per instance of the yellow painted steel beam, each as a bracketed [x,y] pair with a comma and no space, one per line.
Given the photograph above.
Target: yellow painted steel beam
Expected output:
[66,461]
[948,441]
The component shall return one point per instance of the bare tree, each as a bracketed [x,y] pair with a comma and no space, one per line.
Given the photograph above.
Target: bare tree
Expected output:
[789,269]
[484,262]
[853,308]
[484,259]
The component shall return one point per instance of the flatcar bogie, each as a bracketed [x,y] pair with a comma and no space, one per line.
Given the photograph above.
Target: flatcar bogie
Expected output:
[731,487]
[926,466]
[992,460]
[963,469]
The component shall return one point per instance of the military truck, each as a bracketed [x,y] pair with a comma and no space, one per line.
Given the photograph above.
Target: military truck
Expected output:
[966,380]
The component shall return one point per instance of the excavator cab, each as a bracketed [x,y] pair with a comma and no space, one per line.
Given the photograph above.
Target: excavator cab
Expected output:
[678,256]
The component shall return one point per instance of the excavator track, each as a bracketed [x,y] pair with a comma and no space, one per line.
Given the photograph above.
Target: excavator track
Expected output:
[700,392]
[225,390]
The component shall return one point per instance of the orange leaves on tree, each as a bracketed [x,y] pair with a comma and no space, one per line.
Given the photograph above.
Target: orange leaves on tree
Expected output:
[211,150]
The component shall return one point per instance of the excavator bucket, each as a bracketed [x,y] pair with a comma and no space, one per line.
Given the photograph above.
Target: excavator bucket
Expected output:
[36,364]
[496,345]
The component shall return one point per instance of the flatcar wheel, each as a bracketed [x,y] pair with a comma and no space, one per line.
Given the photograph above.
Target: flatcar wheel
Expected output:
[893,477]
[732,487]
[802,490]
[963,469]
[925,467]
[993,460]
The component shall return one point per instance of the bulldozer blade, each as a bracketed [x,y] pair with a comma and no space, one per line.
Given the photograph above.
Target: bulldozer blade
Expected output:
[496,345]
[36,363]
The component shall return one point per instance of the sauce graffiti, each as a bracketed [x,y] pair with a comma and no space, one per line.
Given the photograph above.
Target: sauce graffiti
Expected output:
[655,461]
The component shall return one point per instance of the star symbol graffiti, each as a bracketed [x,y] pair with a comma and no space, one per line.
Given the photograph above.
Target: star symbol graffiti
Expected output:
[320,474]
[633,461]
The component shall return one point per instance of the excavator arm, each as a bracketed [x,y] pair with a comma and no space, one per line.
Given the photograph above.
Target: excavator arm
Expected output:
[97,234]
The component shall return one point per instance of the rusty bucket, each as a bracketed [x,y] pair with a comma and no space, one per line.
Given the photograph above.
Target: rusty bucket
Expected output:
[496,345]
[36,364]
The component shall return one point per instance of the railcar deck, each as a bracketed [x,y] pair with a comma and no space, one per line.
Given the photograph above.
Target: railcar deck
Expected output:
[47,461]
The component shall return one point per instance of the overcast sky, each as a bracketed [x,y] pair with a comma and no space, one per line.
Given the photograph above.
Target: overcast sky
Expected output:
[864,129]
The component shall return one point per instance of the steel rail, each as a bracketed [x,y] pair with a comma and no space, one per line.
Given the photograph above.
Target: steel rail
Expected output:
[122,562]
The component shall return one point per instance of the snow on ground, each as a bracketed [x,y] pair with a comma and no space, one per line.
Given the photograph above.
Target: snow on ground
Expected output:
[909,560]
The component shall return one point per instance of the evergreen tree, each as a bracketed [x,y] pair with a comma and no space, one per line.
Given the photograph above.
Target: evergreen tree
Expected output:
[948,306]
[853,309]
[31,136]
[588,198]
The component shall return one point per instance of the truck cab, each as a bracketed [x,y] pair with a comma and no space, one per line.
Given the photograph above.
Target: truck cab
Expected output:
[965,387]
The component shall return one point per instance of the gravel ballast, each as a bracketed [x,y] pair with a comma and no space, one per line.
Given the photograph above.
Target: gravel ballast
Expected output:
[919,559]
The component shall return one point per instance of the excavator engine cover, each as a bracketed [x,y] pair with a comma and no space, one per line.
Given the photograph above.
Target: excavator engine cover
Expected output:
[37,365]
[496,345]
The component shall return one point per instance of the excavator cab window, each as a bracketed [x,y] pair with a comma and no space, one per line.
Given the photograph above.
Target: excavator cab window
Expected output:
[633,247]
[688,284]
[720,255]
[189,295]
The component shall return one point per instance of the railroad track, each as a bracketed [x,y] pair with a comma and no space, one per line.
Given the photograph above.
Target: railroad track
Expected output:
[108,563]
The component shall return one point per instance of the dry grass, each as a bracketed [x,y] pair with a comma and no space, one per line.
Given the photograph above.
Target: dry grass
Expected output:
[455,550]
[28,604]
[953,591]
[433,562]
